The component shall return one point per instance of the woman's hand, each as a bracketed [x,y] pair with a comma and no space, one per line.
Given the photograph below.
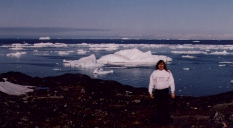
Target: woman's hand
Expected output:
[173,95]
[152,96]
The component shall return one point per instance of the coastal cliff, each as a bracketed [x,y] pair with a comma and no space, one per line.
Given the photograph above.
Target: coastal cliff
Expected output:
[76,100]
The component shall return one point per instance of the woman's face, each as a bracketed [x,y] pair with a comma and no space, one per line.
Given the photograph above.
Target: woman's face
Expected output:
[161,66]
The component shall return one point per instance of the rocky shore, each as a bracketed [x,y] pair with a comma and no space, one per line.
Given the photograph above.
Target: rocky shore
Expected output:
[76,100]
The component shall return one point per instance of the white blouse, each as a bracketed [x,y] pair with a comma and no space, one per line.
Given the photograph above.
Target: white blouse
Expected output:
[161,79]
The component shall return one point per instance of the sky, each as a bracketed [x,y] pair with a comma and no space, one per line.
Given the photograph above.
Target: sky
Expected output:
[114,19]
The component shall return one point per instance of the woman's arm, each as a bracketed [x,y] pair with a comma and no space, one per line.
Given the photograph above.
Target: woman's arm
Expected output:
[151,86]
[172,85]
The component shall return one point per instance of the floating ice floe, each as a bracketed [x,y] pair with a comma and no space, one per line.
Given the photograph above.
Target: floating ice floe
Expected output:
[56,69]
[62,53]
[48,44]
[207,51]
[35,45]
[226,62]
[101,71]
[16,48]
[81,51]
[221,65]
[20,45]
[17,54]
[89,61]
[186,69]
[41,54]
[188,52]
[44,38]
[14,89]
[188,56]
[224,52]
[132,57]
[106,47]
[232,81]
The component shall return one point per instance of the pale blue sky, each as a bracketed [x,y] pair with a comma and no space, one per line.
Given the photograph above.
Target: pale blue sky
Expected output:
[148,19]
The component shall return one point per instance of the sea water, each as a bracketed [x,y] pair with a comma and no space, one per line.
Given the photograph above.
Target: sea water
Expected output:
[207,74]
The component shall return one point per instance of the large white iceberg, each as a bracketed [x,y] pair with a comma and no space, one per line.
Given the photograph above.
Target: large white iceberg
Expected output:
[128,58]
[14,89]
[132,57]
[89,61]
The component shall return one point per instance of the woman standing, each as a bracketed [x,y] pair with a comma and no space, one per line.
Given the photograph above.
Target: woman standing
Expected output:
[160,80]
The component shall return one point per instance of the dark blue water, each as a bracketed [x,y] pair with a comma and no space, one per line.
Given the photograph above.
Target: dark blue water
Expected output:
[117,41]
[204,77]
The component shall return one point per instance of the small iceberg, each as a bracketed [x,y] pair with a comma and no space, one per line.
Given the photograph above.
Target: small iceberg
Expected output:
[207,51]
[186,69]
[101,71]
[221,65]
[188,56]
[81,51]
[44,38]
[17,54]
[231,81]
[62,53]
[56,69]
[226,62]
[188,52]
[224,52]
[16,48]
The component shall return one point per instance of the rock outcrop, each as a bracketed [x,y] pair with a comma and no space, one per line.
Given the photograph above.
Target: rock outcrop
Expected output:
[76,100]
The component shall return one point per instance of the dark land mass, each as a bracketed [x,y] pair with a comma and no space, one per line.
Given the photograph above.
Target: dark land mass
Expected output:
[76,100]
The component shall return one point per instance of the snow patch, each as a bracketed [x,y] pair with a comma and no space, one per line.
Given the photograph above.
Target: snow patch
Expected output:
[14,89]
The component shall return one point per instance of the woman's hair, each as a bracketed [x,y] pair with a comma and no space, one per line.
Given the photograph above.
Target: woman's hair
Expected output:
[159,62]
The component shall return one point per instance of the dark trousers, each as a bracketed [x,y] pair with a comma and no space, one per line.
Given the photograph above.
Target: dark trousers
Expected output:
[162,105]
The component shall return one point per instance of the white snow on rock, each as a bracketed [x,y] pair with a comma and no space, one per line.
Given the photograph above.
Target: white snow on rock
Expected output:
[14,89]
